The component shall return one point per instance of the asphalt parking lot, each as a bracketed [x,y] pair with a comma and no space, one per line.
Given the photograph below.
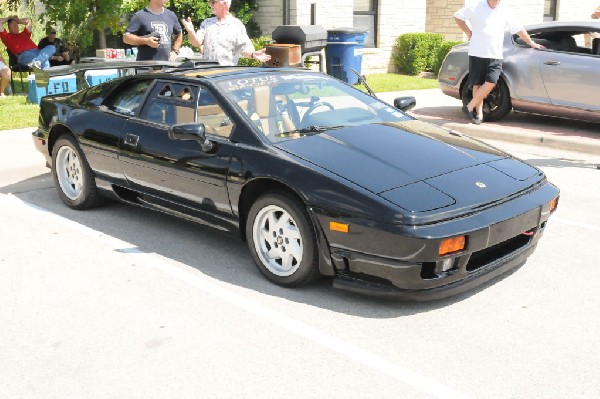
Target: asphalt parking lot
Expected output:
[123,302]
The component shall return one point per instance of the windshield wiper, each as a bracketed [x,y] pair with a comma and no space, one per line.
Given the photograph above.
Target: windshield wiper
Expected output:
[309,130]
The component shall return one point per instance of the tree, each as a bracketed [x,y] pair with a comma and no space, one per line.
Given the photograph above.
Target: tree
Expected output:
[80,20]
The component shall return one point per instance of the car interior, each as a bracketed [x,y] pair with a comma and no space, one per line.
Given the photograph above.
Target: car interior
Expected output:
[564,41]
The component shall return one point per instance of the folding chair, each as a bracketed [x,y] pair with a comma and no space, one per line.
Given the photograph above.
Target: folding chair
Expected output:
[15,67]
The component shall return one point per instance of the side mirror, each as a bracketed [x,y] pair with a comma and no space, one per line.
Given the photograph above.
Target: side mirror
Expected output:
[191,131]
[405,103]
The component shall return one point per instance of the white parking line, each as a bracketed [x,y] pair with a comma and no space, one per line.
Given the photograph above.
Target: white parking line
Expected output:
[208,285]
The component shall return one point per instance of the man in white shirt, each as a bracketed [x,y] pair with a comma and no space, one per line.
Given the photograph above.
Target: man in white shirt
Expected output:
[488,20]
[223,38]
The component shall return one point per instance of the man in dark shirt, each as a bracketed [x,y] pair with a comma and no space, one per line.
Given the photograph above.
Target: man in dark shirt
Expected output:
[61,57]
[151,29]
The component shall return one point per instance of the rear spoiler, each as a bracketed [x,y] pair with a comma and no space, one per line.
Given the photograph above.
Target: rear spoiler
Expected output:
[124,68]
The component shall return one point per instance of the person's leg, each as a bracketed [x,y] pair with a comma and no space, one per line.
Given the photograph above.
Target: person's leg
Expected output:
[479,94]
[5,75]
[493,69]
[44,55]
[26,57]
[477,69]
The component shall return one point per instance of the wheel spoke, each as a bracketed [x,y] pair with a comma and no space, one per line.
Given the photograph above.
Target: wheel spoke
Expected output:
[274,253]
[295,250]
[266,235]
[287,261]
[290,231]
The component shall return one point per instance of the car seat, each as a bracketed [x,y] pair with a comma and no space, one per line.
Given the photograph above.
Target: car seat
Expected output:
[568,44]
[596,46]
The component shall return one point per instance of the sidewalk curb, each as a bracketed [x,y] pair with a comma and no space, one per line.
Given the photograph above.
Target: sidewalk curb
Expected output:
[435,107]
[577,144]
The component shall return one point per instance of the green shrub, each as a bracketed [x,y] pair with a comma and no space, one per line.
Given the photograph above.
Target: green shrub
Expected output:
[416,52]
[441,53]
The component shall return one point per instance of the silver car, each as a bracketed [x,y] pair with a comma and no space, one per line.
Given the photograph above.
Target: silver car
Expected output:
[561,80]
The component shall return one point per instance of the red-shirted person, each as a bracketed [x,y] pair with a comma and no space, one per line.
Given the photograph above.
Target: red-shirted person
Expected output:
[21,45]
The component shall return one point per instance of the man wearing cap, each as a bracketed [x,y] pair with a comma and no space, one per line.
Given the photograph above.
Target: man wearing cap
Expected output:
[21,45]
[223,38]
[61,57]
[151,29]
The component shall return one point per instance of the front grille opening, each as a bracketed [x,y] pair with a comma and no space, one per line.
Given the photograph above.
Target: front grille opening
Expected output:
[428,270]
[495,252]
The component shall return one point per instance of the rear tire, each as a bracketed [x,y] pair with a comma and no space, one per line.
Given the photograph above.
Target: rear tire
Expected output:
[281,240]
[73,176]
[496,105]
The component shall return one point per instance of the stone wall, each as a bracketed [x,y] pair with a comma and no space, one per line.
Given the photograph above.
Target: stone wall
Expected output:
[440,20]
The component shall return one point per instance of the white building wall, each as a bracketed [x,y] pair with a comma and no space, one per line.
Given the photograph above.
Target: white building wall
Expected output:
[397,17]
[576,10]
[528,11]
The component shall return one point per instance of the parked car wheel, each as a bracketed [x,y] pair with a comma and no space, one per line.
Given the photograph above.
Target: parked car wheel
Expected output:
[73,176]
[496,105]
[281,240]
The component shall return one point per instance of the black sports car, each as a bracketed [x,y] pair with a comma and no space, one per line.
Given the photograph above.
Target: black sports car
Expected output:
[318,177]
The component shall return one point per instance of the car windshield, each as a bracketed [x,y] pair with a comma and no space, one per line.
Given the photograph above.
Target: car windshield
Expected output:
[287,106]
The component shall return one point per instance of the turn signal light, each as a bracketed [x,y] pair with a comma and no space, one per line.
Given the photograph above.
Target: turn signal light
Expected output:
[341,227]
[453,244]
[553,204]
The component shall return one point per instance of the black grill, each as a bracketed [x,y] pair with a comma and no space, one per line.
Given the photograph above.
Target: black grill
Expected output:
[311,38]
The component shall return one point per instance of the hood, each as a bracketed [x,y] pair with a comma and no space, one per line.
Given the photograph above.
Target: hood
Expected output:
[381,157]
[418,166]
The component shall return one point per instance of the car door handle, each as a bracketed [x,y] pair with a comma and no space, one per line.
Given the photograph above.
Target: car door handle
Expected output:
[131,140]
[552,63]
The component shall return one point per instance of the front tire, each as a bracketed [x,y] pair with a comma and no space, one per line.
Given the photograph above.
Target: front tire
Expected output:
[496,105]
[73,176]
[282,240]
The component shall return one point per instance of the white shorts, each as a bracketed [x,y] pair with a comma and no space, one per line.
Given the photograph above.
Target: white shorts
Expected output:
[2,65]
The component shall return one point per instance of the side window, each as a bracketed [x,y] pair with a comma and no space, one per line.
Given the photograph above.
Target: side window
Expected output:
[212,115]
[170,103]
[127,99]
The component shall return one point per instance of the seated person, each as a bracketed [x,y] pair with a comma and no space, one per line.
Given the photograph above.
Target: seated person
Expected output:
[21,45]
[61,57]
[4,76]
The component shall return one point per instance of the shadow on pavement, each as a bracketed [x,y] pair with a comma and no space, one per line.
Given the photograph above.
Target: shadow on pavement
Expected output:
[214,254]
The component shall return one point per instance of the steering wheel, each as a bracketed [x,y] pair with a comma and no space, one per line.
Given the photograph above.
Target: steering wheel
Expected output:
[314,106]
[285,105]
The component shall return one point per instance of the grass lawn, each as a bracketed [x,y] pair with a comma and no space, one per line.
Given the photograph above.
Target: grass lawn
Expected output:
[383,82]
[16,112]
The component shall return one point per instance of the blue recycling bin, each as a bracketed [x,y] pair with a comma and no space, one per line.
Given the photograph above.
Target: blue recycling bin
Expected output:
[343,53]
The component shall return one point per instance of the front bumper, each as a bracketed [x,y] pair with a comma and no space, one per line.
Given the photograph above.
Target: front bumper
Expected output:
[468,282]
[410,268]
